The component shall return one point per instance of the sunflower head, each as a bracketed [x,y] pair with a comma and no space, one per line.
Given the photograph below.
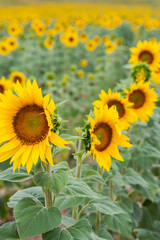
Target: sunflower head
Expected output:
[141,72]
[105,136]
[28,116]
[17,77]
[143,99]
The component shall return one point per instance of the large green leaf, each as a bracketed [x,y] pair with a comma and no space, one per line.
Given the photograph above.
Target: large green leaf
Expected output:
[120,223]
[105,234]
[81,230]
[92,176]
[54,182]
[8,231]
[8,175]
[78,188]
[35,193]
[107,206]
[63,201]
[68,221]
[134,178]
[144,234]
[33,218]
[60,166]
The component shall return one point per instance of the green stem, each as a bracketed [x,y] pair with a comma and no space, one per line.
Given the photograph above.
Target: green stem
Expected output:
[81,211]
[111,189]
[78,174]
[98,219]
[47,192]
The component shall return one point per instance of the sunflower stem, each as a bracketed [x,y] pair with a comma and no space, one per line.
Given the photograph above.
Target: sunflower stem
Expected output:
[98,219]
[47,192]
[111,189]
[78,175]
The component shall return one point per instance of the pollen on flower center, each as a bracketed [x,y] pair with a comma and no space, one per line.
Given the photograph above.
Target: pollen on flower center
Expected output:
[104,134]
[30,124]
[146,56]
[119,107]
[138,98]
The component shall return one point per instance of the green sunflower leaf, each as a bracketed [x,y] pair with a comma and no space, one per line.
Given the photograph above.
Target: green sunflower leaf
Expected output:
[54,182]
[8,231]
[33,218]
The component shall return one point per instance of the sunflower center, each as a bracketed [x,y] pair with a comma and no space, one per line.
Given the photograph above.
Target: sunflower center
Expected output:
[138,98]
[1,89]
[30,124]
[119,107]
[146,56]
[104,134]
[17,78]
[71,39]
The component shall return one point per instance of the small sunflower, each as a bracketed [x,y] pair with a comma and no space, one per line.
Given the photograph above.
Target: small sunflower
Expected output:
[122,105]
[26,127]
[83,62]
[147,52]
[13,43]
[4,48]
[71,39]
[83,37]
[91,45]
[48,43]
[110,46]
[15,29]
[97,40]
[105,136]
[4,85]
[18,76]
[143,98]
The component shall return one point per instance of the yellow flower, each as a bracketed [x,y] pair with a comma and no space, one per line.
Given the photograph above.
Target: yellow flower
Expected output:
[15,29]
[110,46]
[148,52]
[83,37]
[90,45]
[106,137]
[40,30]
[143,98]
[48,43]
[80,73]
[70,39]
[17,76]
[4,85]
[97,40]
[26,127]
[4,48]
[13,43]
[83,62]
[122,105]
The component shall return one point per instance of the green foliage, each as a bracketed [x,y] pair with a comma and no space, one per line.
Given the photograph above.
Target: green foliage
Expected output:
[33,218]
[8,231]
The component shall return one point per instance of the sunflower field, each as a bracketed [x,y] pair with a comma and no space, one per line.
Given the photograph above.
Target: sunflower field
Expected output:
[79,120]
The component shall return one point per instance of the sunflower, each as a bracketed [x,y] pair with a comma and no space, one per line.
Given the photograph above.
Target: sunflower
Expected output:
[122,105]
[13,43]
[143,98]
[147,52]
[4,85]
[97,40]
[26,127]
[110,46]
[91,45]
[71,39]
[48,43]
[15,29]
[4,48]
[83,37]
[18,76]
[83,62]
[105,136]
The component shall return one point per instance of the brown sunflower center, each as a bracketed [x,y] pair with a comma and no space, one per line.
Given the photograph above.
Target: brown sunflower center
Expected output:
[119,107]
[30,124]
[71,39]
[146,56]
[138,98]
[17,78]
[1,89]
[104,134]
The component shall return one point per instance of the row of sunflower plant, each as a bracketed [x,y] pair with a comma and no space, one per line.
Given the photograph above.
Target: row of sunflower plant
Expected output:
[30,131]
[95,200]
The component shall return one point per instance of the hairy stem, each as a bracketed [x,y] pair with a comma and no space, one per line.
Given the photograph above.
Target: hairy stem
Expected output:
[98,219]
[47,192]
